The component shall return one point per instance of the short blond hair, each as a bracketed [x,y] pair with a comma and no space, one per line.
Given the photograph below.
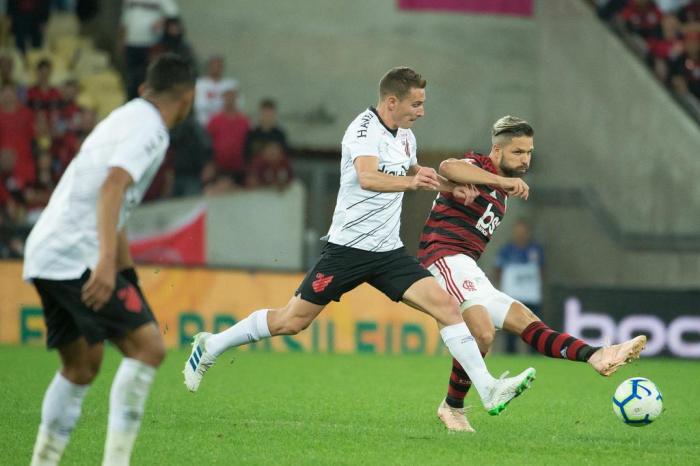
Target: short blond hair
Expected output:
[509,127]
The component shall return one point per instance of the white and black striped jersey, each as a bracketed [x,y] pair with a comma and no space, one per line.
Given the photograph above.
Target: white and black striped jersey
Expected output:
[364,219]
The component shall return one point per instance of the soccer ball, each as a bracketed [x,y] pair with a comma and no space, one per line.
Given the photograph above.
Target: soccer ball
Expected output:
[637,402]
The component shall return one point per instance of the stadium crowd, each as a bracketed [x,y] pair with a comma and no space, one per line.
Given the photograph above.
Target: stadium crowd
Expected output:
[45,115]
[667,32]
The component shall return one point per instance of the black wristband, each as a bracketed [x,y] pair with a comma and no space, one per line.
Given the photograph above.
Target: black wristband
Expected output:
[130,276]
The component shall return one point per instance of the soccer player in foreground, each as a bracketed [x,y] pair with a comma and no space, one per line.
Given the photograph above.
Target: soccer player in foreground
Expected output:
[455,236]
[78,259]
[378,165]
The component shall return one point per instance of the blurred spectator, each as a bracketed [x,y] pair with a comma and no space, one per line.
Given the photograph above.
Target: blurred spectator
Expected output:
[270,167]
[86,10]
[7,75]
[519,268]
[162,185]
[228,130]
[173,41]
[685,70]
[43,98]
[266,131]
[191,153]
[141,28]
[17,133]
[667,48]
[37,194]
[690,13]
[70,128]
[11,207]
[607,9]
[28,18]
[210,89]
[643,17]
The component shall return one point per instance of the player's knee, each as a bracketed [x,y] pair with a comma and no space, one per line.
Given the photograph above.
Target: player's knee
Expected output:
[156,353]
[484,339]
[448,307]
[296,325]
[83,373]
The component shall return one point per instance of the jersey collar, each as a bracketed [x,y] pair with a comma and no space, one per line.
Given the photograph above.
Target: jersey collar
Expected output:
[392,131]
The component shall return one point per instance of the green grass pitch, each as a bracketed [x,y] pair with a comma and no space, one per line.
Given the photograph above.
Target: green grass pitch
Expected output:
[273,408]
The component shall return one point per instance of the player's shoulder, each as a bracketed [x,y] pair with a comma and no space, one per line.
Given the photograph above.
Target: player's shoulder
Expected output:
[366,125]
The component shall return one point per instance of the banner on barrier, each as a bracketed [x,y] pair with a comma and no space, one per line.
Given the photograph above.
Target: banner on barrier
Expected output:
[182,243]
[190,300]
[670,319]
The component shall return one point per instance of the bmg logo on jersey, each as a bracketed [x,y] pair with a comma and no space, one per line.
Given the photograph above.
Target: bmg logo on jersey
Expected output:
[488,222]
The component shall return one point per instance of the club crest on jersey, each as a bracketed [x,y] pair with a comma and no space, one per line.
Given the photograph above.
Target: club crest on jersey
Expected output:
[488,222]
[407,147]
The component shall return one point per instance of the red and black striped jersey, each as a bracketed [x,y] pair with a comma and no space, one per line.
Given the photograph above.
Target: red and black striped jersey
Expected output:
[453,228]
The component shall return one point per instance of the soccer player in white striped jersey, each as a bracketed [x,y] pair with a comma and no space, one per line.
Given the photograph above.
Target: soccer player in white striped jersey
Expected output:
[378,165]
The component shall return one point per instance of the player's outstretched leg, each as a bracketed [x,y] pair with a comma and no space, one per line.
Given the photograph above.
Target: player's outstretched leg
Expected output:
[607,360]
[427,296]
[63,400]
[264,323]
[534,332]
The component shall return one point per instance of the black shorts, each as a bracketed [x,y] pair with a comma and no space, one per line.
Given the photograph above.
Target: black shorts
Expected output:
[341,269]
[68,318]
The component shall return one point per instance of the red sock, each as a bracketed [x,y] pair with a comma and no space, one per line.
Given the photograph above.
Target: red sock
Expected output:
[555,344]
[459,385]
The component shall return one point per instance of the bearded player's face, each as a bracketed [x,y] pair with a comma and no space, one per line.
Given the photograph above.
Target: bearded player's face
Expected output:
[410,108]
[516,156]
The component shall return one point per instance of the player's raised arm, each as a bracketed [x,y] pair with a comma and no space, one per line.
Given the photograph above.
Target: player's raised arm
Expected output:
[463,193]
[463,172]
[100,286]
[372,179]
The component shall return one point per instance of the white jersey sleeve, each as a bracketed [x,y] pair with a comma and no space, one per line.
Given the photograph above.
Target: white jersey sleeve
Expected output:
[363,138]
[139,151]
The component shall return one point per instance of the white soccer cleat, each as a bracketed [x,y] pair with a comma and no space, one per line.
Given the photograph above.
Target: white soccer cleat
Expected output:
[198,363]
[454,418]
[610,358]
[507,388]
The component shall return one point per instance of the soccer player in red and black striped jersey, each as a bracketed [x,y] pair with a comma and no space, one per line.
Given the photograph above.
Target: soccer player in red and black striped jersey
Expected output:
[454,237]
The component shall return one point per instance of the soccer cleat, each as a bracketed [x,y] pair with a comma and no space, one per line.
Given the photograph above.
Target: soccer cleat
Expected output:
[198,363]
[609,359]
[454,418]
[507,388]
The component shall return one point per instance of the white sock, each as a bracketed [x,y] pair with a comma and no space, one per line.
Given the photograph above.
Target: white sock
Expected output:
[252,328]
[464,349]
[59,414]
[127,398]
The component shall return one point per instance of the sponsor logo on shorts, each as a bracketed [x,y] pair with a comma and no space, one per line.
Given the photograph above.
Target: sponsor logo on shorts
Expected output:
[469,285]
[131,299]
[321,283]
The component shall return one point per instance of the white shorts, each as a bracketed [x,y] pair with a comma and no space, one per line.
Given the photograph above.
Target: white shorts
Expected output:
[462,278]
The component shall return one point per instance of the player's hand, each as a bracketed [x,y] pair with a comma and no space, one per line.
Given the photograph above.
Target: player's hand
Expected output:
[426,179]
[515,187]
[466,194]
[100,286]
